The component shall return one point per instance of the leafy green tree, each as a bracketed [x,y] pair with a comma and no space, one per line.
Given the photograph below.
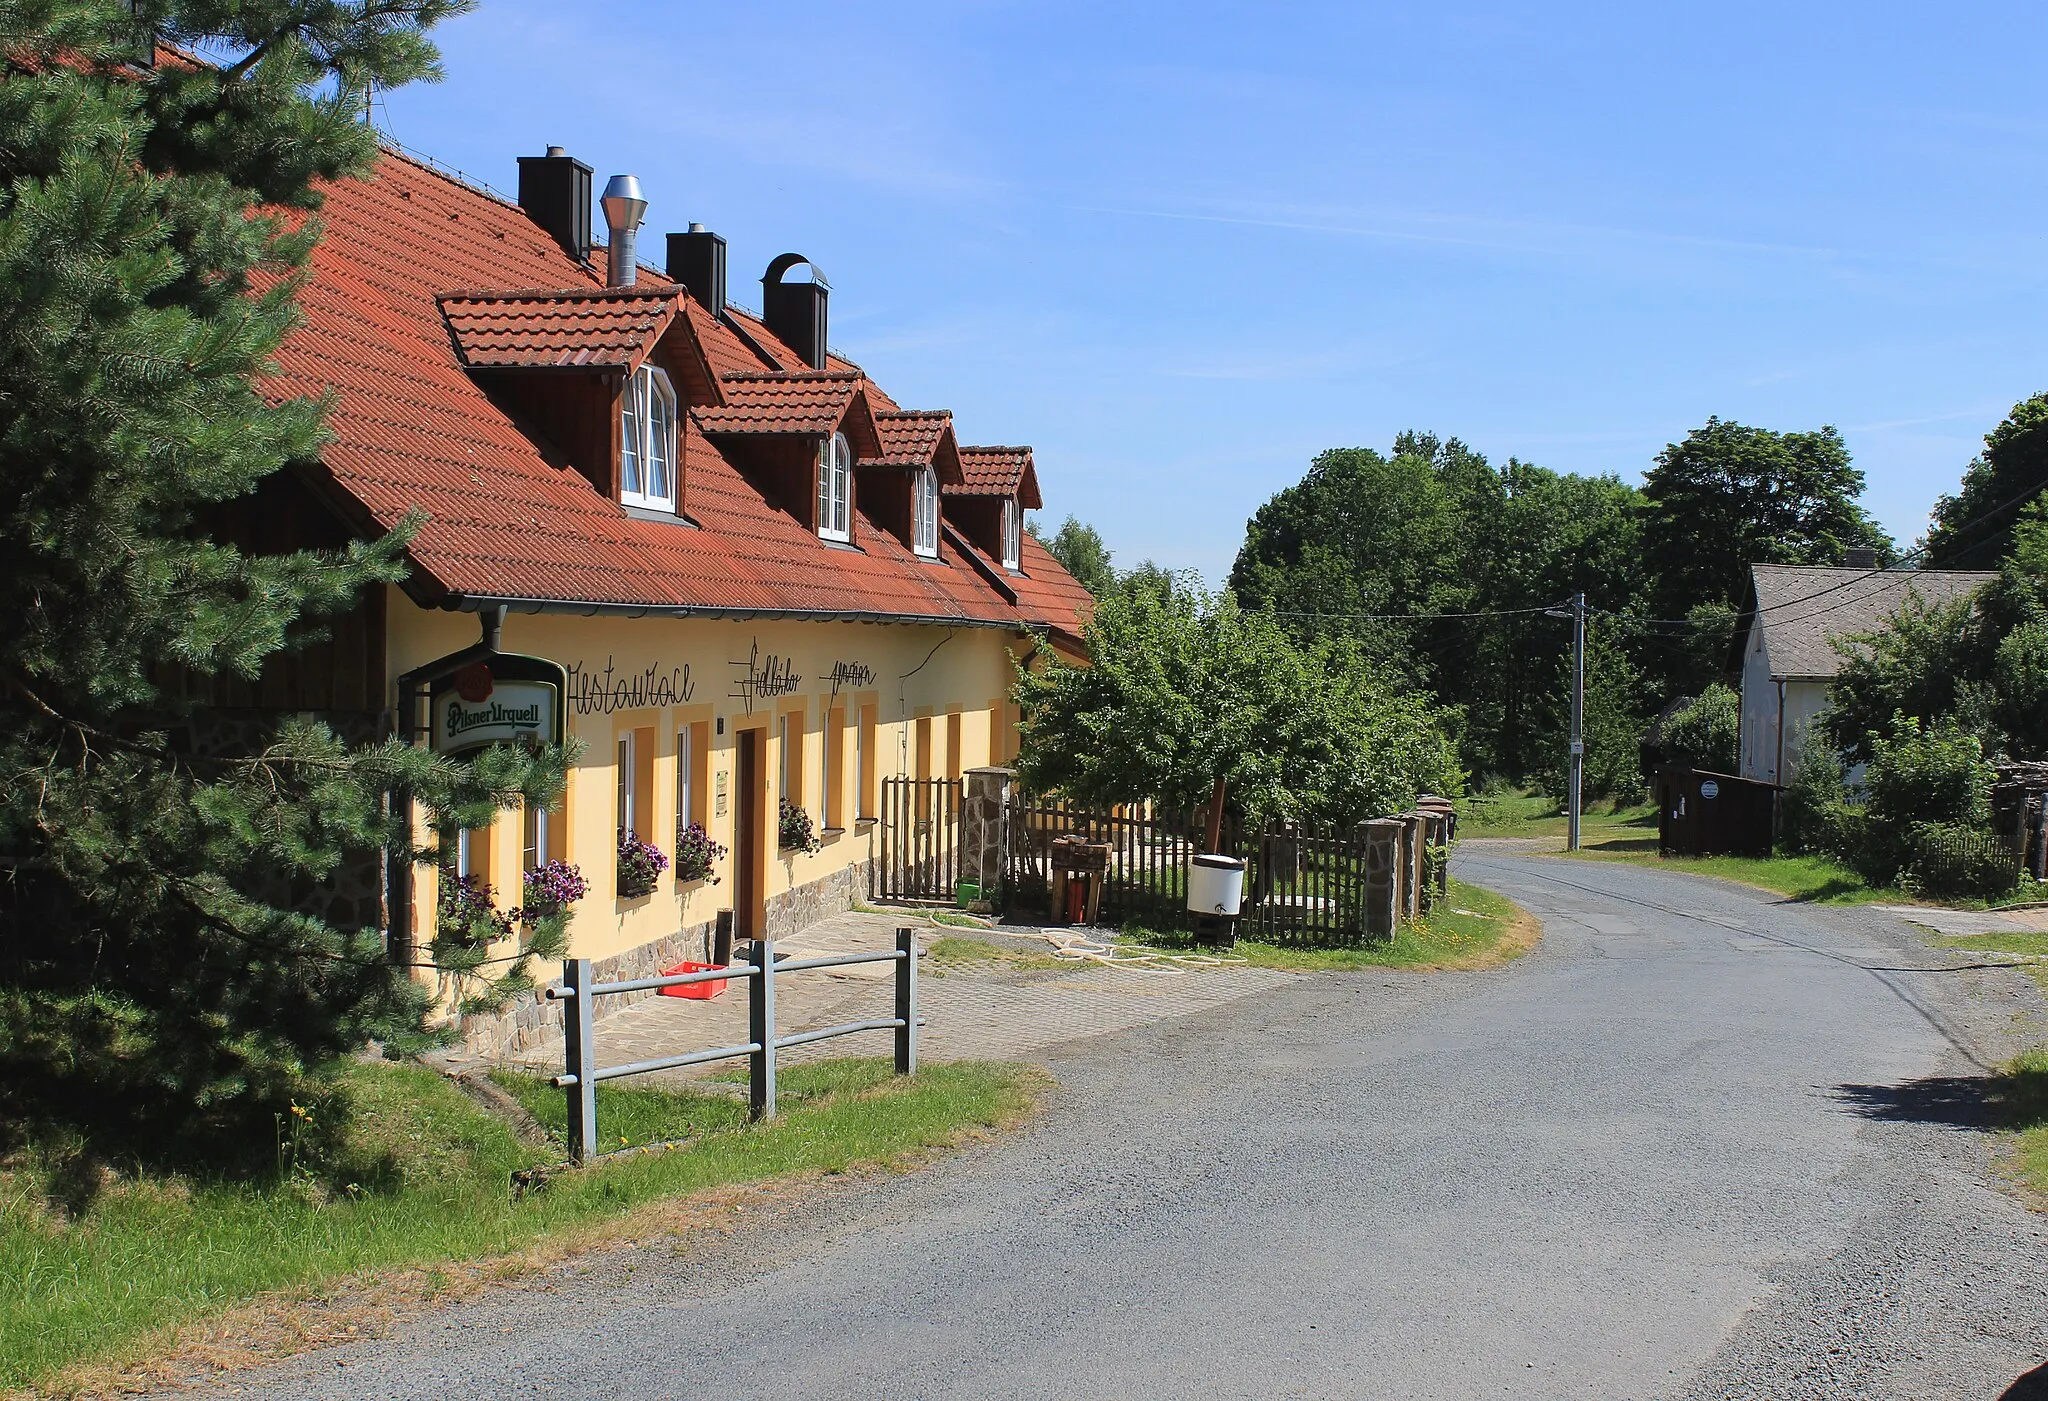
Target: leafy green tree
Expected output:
[1188,695]
[1975,528]
[1708,733]
[1080,551]
[1730,496]
[166,973]
[1358,537]
[1435,529]
[1613,721]
[1929,660]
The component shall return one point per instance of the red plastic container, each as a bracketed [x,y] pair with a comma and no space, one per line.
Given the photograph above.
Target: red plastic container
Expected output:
[703,992]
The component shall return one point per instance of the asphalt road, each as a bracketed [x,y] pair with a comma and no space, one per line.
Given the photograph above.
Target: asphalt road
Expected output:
[1692,1147]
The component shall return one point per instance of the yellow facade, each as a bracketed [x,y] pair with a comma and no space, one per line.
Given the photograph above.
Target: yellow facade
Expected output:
[661,708]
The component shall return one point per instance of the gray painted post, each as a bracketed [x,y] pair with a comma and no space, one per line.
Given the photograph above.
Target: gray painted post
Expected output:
[579,1057]
[761,1031]
[906,1002]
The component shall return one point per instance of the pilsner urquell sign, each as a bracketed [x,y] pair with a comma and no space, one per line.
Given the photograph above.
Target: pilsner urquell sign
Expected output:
[502,699]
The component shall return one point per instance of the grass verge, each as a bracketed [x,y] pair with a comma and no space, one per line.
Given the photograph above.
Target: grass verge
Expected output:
[959,953]
[1812,879]
[2030,943]
[1519,813]
[2023,1106]
[1472,928]
[154,1256]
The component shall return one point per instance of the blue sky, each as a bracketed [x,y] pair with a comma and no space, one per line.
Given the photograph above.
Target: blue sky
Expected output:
[1180,249]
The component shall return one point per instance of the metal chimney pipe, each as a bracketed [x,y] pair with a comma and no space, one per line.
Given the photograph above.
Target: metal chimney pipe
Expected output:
[623,211]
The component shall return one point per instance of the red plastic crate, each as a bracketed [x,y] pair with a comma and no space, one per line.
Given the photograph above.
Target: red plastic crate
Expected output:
[703,992]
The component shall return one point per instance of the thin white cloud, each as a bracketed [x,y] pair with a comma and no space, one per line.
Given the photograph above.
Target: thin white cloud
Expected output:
[1547,238]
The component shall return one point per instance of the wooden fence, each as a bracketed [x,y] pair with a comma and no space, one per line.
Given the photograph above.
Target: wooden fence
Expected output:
[919,858]
[1301,886]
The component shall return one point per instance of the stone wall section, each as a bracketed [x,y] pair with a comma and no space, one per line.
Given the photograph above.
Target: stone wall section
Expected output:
[532,1019]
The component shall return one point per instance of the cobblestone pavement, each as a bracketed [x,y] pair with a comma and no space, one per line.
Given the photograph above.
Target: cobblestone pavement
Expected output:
[971,1010]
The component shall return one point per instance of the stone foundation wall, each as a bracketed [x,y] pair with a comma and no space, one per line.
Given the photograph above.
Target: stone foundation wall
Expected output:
[827,896]
[531,1020]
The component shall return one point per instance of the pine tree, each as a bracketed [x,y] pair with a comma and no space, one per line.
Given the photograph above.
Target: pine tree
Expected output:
[162,981]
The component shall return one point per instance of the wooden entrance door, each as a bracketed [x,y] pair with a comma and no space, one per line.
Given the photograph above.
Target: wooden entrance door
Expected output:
[749,864]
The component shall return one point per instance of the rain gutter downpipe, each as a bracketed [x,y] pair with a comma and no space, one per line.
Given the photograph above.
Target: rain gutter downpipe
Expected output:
[412,688]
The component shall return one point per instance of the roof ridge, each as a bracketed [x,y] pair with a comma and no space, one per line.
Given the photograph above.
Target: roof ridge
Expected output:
[914,413]
[558,294]
[391,146]
[786,376]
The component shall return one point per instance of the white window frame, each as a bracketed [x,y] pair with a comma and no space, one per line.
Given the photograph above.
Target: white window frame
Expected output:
[860,762]
[835,488]
[1013,533]
[924,513]
[537,821]
[629,798]
[462,854]
[686,763]
[647,441]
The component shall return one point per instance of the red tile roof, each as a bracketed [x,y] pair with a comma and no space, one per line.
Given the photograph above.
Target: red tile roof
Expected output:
[508,518]
[997,471]
[609,327]
[917,438]
[814,402]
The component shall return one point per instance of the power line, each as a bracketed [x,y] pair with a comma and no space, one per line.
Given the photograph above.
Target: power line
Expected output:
[1419,617]
[1777,611]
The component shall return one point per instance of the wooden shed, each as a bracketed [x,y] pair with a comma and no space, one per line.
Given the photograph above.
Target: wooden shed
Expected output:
[1702,813]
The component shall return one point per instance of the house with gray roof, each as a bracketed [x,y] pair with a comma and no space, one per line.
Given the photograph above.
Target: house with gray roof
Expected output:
[1786,644]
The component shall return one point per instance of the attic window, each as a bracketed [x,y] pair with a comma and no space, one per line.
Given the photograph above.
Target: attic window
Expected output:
[647,442]
[924,512]
[1013,543]
[835,487]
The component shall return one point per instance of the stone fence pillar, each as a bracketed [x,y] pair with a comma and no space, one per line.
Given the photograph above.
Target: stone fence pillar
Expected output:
[1411,864]
[1440,830]
[985,826]
[1382,836]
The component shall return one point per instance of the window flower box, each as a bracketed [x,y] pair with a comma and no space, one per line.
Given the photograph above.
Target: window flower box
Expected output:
[640,865]
[696,854]
[796,830]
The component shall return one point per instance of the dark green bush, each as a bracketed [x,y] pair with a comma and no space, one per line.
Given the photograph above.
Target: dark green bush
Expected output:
[1947,860]
[1708,733]
[1815,804]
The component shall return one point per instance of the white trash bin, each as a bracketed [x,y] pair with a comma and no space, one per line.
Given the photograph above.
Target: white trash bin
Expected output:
[1215,885]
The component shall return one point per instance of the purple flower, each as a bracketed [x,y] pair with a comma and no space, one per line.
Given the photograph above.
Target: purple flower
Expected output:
[696,853]
[553,887]
[640,863]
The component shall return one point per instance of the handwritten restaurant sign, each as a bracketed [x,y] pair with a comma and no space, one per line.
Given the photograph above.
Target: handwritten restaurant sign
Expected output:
[764,678]
[602,690]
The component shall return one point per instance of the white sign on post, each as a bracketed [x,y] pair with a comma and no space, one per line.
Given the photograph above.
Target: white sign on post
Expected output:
[481,705]
[1710,789]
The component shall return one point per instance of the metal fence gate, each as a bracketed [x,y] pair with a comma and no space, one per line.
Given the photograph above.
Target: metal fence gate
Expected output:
[920,848]
[1301,886]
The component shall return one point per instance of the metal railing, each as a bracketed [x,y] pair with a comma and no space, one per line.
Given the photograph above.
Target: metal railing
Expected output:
[582,1074]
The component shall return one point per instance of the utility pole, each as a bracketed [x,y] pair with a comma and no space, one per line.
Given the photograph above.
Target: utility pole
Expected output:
[1578,766]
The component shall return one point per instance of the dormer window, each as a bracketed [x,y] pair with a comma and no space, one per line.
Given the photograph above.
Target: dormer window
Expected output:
[835,487]
[647,442]
[1013,533]
[924,512]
